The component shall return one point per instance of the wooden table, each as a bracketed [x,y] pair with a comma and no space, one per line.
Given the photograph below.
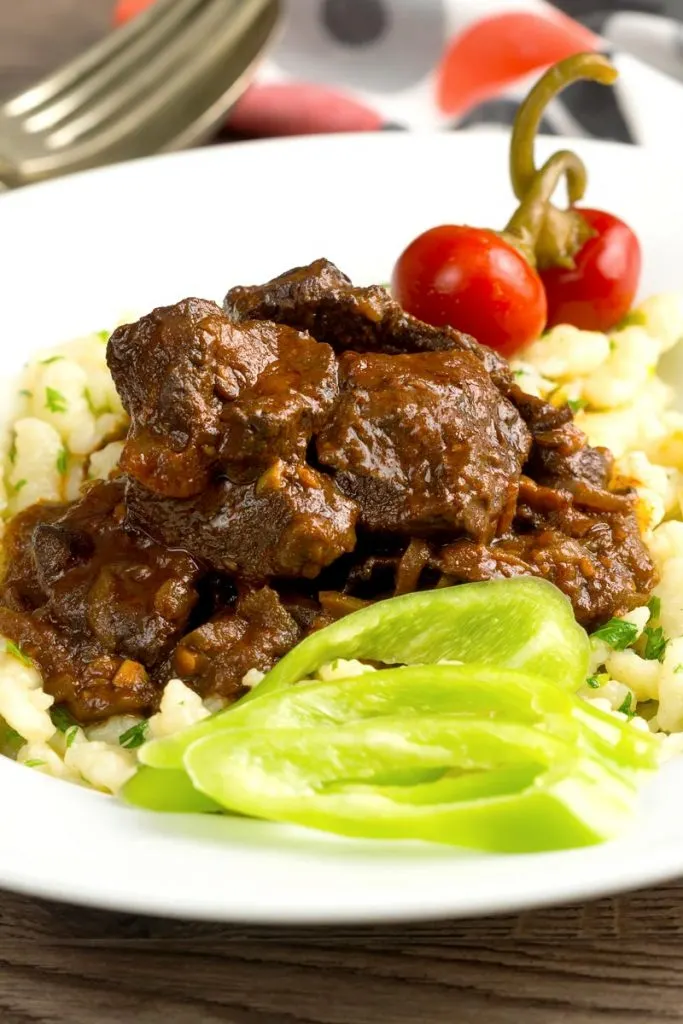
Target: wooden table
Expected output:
[617,961]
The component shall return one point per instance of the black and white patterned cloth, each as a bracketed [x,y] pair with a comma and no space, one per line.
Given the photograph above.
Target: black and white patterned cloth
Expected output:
[645,40]
[349,65]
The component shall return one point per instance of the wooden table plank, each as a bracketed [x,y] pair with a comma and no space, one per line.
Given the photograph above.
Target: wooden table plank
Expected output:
[615,961]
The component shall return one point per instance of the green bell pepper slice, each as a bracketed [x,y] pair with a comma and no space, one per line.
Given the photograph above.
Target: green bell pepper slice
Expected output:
[411,690]
[452,692]
[503,787]
[169,791]
[524,624]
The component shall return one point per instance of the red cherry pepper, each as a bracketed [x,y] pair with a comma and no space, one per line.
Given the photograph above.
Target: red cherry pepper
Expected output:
[474,279]
[548,266]
[598,291]
[591,279]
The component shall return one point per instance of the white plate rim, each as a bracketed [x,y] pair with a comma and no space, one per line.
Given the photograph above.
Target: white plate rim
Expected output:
[422,887]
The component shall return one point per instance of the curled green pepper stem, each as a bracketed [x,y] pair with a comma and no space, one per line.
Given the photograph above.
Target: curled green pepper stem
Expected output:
[527,226]
[592,66]
[554,235]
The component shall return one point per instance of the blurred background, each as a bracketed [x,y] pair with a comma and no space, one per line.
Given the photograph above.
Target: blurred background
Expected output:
[349,65]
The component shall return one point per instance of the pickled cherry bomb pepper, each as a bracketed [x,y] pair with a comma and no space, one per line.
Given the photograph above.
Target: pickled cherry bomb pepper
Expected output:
[548,266]
[589,261]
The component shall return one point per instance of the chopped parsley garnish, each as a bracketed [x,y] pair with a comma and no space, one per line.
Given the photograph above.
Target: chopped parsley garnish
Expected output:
[16,652]
[577,404]
[134,737]
[593,682]
[655,607]
[70,735]
[62,460]
[55,400]
[89,399]
[12,454]
[636,318]
[617,633]
[518,373]
[62,720]
[12,736]
[19,484]
[612,344]
[655,643]
[26,393]
[34,762]
[625,706]
[51,359]
[103,335]
[679,668]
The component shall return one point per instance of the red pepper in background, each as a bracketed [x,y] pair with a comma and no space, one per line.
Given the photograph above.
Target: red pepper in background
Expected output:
[127,9]
[496,51]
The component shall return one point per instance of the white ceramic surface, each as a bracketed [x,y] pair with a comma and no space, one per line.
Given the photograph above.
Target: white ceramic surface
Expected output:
[76,254]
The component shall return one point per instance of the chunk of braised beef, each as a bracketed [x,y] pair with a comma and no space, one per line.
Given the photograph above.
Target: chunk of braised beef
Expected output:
[254,450]
[587,543]
[425,444]
[205,394]
[21,586]
[115,600]
[292,521]
[76,673]
[276,417]
[214,658]
[321,299]
[165,368]
[591,466]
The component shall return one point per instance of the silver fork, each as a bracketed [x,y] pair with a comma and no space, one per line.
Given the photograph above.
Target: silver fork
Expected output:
[160,83]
